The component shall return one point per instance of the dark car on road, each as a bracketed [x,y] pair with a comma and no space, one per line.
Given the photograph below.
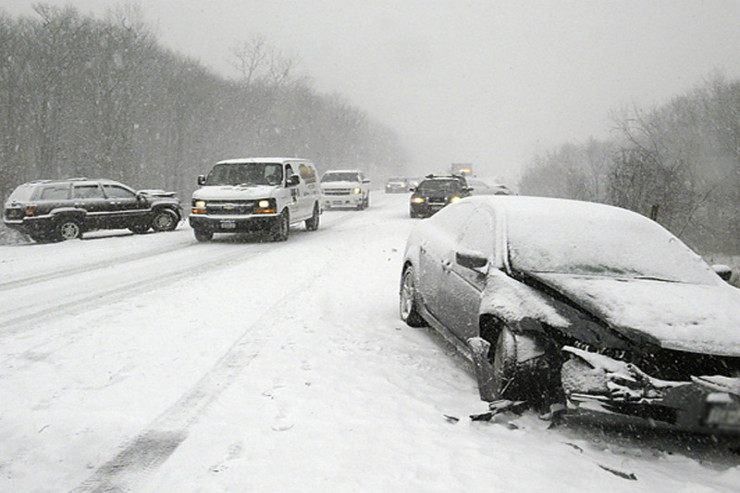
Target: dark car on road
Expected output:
[53,210]
[591,306]
[397,184]
[435,192]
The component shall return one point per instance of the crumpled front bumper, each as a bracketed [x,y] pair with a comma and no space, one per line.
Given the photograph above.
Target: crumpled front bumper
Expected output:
[595,382]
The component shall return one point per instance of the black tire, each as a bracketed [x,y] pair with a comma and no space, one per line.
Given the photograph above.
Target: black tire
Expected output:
[367,200]
[164,220]
[407,300]
[68,229]
[203,234]
[312,224]
[139,228]
[281,228]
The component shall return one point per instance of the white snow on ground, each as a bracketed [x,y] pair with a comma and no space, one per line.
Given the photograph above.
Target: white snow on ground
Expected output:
[282,367]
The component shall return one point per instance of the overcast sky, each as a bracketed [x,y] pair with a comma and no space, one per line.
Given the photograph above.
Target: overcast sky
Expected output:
[490,82]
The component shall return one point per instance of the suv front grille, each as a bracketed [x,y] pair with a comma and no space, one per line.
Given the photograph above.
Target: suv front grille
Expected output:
[231,207]
[338,191]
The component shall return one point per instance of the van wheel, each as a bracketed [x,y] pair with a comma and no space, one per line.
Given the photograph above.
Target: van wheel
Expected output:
[281,228]
[312,224]
[203,234]
[69,229]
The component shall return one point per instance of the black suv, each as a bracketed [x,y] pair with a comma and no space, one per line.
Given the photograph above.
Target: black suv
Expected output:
[51,210]
[435,192]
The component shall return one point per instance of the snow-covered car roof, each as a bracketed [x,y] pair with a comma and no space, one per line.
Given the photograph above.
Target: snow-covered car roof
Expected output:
[260,160]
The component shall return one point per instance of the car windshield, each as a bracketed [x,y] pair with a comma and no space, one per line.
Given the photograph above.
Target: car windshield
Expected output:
[446,186]
[245,174]
[597,240]
[329,177]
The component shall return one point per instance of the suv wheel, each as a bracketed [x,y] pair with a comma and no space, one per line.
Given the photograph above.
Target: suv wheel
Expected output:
[69,229]
[139,228]
[164,220]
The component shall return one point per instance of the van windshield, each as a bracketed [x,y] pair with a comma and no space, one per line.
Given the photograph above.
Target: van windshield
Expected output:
[340,176]
[246,174]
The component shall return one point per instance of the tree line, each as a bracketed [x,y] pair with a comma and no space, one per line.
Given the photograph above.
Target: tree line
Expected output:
[678,163]
[81,96]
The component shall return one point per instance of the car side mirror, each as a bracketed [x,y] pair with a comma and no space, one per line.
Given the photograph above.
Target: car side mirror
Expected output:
[366,180]
[412,189]
[201,180]
[472,259]
[293,180]
[723,271]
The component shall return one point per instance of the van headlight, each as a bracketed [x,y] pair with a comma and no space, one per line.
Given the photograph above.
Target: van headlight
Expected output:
[265,206]
[357,191]
[199,207]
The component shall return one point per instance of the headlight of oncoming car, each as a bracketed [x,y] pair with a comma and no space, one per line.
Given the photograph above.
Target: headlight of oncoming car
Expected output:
[265,206]
[357,191]
[454,199]
[418,200]
[199,207]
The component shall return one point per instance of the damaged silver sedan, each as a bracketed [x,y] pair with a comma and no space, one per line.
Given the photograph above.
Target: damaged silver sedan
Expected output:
[592,306]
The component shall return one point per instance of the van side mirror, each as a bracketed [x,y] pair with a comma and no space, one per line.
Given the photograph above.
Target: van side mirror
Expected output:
[201,180]
[293,180]
[366,180]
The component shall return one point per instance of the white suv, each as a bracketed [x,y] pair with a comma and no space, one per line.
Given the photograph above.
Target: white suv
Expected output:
[267,194]
[345,188]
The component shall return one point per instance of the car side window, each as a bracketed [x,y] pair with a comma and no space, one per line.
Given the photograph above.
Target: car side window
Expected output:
[92,191]
[54,192]
[478,233]
[116,192]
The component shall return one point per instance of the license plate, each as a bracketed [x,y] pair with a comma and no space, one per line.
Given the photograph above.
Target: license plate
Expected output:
[228,224]
[724,416]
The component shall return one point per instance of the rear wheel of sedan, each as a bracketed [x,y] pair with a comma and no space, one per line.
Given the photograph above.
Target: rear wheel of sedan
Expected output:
[407,303]
[69,229]
[164,220]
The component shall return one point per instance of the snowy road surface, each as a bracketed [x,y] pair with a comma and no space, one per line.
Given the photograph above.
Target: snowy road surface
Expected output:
[155,363]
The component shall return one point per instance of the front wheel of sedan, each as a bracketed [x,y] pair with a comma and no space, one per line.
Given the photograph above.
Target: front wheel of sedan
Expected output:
[407,303]
[164,220]
[69,229]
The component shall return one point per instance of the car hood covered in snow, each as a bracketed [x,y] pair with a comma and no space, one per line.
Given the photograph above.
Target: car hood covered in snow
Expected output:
[235,192]
[699,318]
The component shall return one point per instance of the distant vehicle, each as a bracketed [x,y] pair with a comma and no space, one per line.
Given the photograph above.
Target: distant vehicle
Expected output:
[463,169]
[256,194]
[54,210]
[397,184]
[434,192]
[586,304]
[345,188]
[479,187]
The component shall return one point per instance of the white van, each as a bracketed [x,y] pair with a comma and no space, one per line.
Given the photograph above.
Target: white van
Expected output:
[256,194]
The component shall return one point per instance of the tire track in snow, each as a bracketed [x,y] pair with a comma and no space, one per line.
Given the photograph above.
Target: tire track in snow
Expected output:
[130,468]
